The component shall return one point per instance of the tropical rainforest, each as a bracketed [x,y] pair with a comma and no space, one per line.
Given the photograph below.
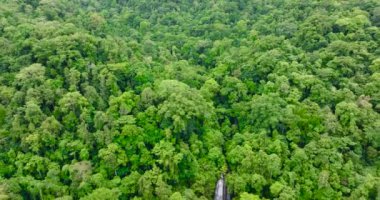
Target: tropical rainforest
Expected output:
[155,99]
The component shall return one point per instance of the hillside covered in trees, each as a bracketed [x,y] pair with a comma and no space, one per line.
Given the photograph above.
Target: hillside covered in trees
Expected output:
[155,99]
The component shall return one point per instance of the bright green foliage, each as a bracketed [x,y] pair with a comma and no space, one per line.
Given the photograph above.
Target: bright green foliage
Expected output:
[247,196]
[137,99]
[102,194]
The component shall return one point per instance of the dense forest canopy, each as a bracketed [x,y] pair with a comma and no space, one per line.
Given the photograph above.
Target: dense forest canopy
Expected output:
[155,99]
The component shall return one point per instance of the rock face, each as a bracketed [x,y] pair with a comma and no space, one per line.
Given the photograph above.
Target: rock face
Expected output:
[221,190]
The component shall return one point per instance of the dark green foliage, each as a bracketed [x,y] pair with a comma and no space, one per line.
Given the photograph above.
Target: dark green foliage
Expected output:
[155,99]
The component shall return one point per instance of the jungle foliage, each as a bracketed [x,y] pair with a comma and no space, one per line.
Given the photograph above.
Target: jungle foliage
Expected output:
[154,99]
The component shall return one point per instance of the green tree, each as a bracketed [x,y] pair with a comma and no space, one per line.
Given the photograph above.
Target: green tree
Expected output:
[103,193]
